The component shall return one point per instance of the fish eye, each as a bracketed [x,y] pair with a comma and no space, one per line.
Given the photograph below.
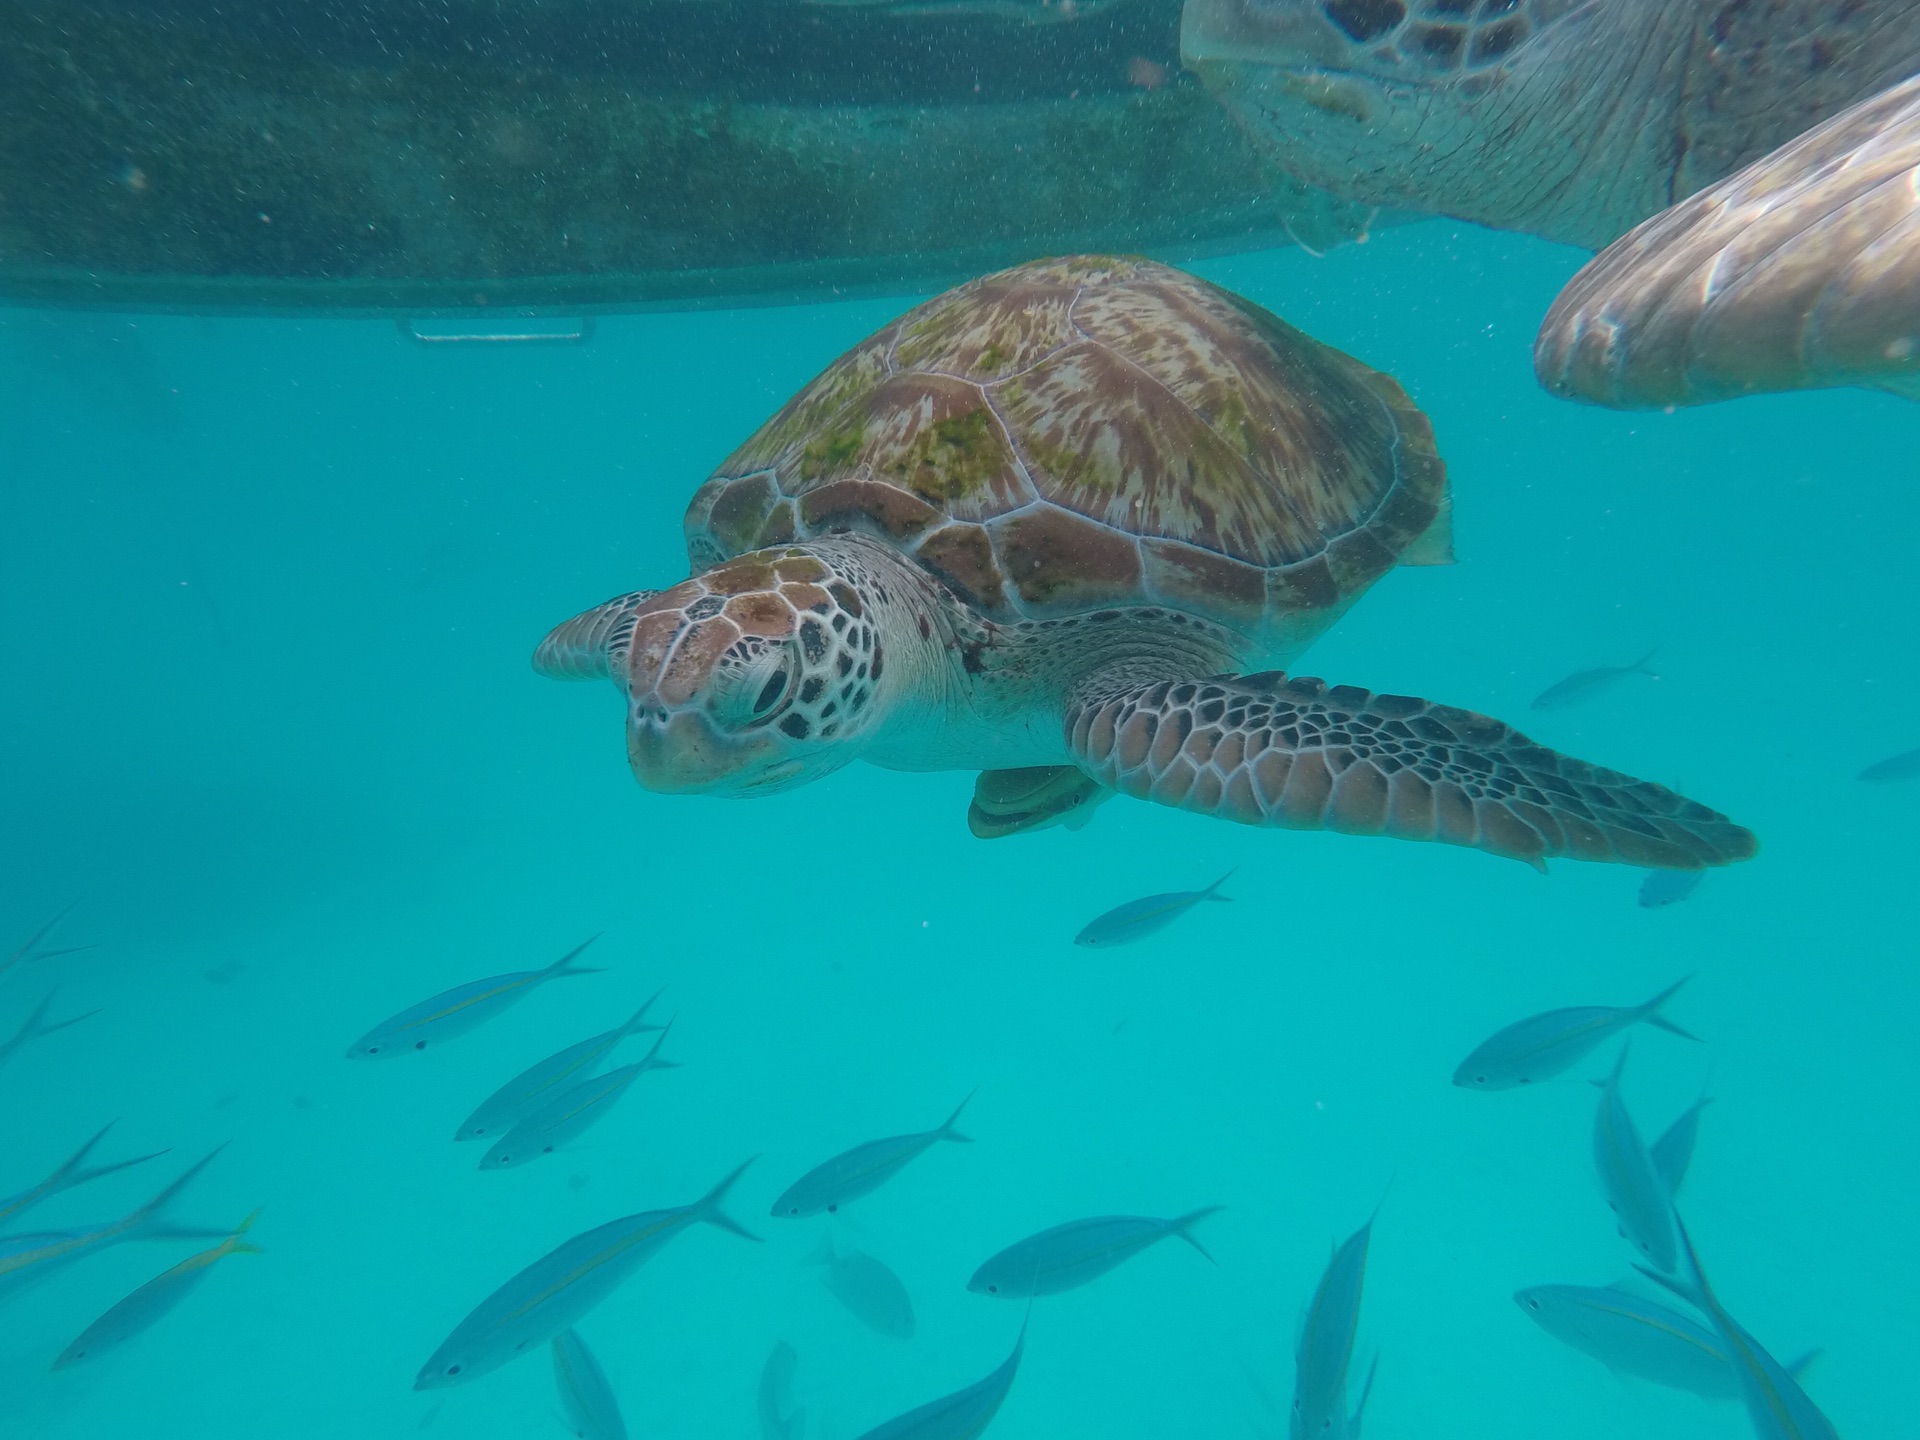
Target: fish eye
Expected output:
[1533,1304]
[993,1289]
[419,1044]
[547,1151]
[453,1369]
[833,1209]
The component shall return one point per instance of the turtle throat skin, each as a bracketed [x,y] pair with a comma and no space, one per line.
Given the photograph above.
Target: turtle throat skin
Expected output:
[764,672]
[1556,117]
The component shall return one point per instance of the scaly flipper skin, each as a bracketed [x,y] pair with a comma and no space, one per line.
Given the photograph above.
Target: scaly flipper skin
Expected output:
[593,645]
[1268,750]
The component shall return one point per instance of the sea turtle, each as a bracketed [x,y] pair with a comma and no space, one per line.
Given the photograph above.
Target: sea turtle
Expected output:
[1038,524]
[1578,119]
[1801,270]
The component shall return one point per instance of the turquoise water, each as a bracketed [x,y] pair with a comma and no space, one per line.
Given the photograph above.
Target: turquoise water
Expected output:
[270,589]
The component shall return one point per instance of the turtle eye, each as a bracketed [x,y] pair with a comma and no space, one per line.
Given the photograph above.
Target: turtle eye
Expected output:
[753,689]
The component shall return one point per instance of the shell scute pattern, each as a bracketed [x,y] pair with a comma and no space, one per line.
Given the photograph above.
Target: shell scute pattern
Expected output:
[1091,433]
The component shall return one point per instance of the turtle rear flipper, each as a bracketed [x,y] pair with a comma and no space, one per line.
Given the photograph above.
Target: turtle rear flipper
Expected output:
[1011,802]
[1269,750]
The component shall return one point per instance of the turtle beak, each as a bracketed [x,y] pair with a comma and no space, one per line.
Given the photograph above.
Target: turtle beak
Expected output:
[684,754]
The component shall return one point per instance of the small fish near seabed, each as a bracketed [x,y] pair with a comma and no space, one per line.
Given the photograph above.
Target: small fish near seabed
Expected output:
[870,1291]
[1068,1256]
[1324,1353]
[34,1027]
[552,1293]
[1632,1335]
[1629,1179]
[456,1011]
[1542,1046]
[1585,685]
[585,1396]
[1662,888]
[29,1258]
[780,1418]
[962,1415]
[1904,766]
[861,1170]
[571,1113]
[156,1299]
[538,1083]
[1138,919]
[70,1172]
[1778,1408]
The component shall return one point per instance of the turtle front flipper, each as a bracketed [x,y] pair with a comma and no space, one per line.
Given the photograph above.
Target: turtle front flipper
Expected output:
[1011,802]
[593,644]
[1269,750]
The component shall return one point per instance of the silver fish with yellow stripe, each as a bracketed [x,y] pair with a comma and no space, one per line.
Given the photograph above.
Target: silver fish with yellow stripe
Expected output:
[551,1294]
[571,1113]
[154,1300]
[456,1011]
[539,1083]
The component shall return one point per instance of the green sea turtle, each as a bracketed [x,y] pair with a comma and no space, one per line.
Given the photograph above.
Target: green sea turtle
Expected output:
[1571,119]
[1801,270]
[1042,523]
[1577,120]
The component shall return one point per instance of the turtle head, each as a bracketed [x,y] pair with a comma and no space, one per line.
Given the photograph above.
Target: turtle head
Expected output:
[755,676]
[1421,104]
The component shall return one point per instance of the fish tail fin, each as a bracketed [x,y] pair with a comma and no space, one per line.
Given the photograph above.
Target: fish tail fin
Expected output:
[651,1060]
[1649,1013]
[707,1207]
[1641,666]
[947,1132]
[237,1244]
[32,941]
[149,1222]
[1798,1366]
[1366,1390]
[1619,1067]
[1212,892]
[63,950]
[564,966]
[73,1173]
[37,1029]
[1183,1227]
[637,1022]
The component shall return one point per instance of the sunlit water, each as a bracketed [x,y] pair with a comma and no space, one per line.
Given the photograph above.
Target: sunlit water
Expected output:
[269,592]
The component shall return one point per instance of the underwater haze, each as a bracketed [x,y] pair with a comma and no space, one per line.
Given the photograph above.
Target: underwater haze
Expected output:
[270,590]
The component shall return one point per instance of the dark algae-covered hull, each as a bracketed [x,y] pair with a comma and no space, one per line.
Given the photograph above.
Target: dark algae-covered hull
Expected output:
[584,155]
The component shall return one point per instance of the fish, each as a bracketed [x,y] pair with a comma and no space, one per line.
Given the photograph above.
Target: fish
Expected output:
[780,1419]
[552,1293]
[585,1395]
[870,1291]
[1325,1347]
[1632,1335]
[1672,1153]
[1662,888]
[66,1175]
[456,1011]
[537,1084]
[961,1415]
[570,1113]
[154,1300]
[30,948]
[32,1029]
[1633,1188]
[1541,1046]
[26,1259]
[861,1170]
[1904,766]
[1138,919]
[1070,1255]
[1777,1406]
[1584,685]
